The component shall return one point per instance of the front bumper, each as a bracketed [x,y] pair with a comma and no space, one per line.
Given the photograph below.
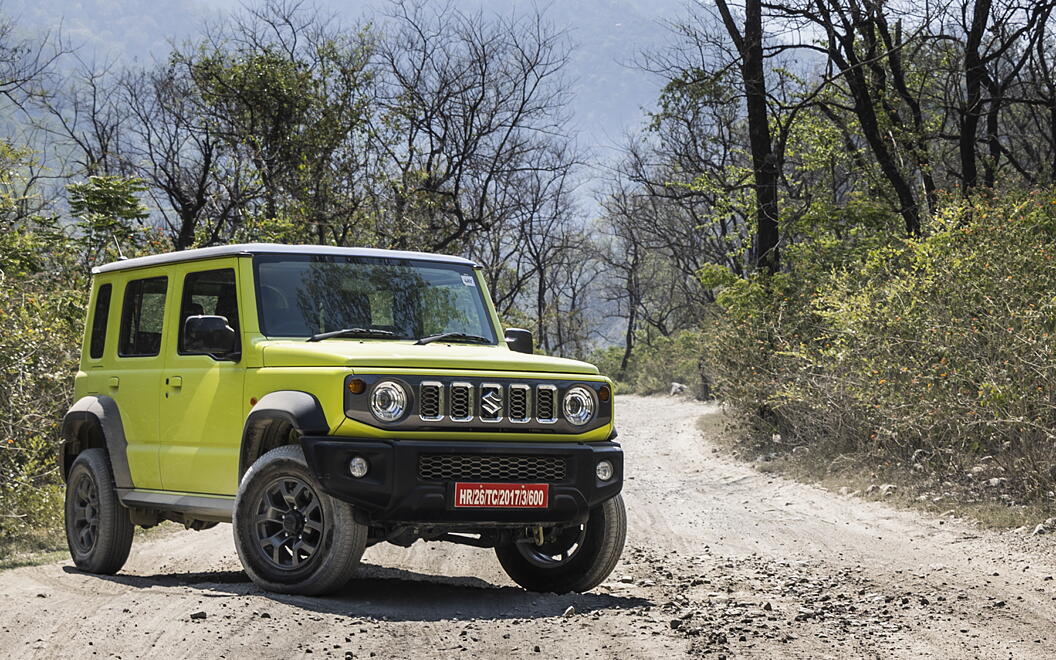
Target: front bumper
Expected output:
[394,491]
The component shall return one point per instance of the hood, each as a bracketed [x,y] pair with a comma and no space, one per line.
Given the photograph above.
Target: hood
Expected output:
[405,355]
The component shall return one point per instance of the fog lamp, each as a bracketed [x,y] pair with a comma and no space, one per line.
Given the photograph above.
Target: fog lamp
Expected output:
[358,467]
[604,470]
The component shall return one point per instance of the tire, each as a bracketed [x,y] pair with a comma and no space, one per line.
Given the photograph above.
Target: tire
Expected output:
[98,529]
[291,537]
[600,543]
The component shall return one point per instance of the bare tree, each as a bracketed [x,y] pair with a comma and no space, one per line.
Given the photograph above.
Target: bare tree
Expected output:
[469,103]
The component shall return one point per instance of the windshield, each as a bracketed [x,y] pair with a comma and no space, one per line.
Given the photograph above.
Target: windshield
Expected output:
[304,295]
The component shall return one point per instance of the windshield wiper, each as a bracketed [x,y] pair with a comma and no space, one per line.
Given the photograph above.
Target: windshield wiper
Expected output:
[453,336]
[352,332]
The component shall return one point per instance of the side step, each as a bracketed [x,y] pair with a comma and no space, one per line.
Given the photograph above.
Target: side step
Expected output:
[200,507]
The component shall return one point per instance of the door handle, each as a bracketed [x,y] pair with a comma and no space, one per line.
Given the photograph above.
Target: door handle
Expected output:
[175,381]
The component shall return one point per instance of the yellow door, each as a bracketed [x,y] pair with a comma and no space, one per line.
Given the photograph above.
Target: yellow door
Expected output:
[201,405]
[135,379]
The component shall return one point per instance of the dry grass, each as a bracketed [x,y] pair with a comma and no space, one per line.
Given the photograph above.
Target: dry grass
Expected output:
[31,548]
[44,546]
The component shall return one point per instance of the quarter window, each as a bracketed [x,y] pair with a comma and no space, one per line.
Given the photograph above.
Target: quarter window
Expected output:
[142,317]
[99,319]
[212,293]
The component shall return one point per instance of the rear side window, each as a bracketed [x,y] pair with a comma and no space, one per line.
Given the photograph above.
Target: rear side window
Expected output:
[212,293]
[142,317]
[99,318]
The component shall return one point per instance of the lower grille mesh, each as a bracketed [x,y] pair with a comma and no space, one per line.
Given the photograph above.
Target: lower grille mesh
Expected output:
[448,467]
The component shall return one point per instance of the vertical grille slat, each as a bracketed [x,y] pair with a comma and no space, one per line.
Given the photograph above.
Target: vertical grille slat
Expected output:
[431,401]
[520,403]
[546,404]
[461,407]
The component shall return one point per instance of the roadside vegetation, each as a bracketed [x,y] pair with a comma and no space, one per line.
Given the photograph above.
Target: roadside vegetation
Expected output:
[932,355]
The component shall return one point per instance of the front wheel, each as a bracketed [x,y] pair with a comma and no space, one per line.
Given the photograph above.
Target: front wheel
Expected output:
[576,558]
[292,537]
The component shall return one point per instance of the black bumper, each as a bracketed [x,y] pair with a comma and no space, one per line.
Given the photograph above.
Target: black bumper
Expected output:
[393,490]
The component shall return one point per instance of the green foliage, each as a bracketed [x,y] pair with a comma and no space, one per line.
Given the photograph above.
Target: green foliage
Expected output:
[656,362]
[884,347]
[110,215]
[670,359]
[41,315]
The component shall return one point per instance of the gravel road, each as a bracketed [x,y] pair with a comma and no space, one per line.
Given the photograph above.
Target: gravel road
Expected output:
[721,560]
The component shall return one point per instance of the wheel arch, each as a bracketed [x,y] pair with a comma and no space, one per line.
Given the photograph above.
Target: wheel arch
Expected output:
[94,421]
[300,410]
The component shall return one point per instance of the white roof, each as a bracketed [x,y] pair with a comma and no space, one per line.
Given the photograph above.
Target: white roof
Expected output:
[272,248]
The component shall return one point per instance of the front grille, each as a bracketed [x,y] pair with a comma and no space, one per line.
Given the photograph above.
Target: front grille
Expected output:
[487,402]
[451,467]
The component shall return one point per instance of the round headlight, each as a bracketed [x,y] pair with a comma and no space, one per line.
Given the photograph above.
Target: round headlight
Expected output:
[388,401]
[578,405]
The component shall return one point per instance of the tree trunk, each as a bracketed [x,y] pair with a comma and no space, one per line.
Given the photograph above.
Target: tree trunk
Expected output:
[974,73]
[765,254]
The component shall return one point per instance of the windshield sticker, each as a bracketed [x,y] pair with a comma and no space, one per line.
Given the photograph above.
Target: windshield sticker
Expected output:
[468,280]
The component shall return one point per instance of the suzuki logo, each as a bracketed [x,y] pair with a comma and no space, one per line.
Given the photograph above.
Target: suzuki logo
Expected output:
[491,401]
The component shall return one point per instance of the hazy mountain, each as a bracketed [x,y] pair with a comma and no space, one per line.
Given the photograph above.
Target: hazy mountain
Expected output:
[609,92]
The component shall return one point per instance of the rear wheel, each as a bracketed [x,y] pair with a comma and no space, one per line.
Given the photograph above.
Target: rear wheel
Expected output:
[291,536]
[575,558]
[98,528]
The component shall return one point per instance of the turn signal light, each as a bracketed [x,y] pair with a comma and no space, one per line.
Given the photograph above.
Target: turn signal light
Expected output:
[604,393]
[356,386]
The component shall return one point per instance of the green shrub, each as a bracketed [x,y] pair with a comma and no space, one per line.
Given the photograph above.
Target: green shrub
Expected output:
[656,362]
[945,344]
[40,330]
[666,360]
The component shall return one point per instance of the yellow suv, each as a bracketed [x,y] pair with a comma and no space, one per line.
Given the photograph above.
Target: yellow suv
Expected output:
[325,399]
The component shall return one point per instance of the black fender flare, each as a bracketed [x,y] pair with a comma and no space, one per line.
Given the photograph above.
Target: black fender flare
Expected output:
[102,411]
[299,409]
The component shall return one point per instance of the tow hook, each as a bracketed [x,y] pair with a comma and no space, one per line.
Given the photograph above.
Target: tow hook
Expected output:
[537,532]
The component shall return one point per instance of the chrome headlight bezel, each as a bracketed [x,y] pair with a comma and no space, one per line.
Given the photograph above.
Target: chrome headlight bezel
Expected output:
[579,405]
[389,401]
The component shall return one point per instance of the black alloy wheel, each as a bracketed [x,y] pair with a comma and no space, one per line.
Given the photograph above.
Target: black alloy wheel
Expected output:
[290,524]
[85,513]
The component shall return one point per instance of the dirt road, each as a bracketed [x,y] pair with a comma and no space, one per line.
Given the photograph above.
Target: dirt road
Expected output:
[721,560]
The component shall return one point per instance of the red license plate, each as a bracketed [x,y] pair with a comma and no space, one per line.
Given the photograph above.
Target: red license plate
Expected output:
[501,496]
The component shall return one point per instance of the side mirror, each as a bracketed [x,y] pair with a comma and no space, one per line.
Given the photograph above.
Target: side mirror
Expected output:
[520,340]
[209,335]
